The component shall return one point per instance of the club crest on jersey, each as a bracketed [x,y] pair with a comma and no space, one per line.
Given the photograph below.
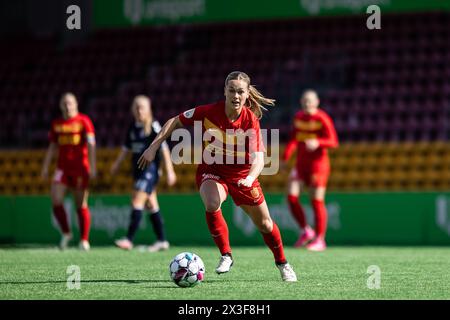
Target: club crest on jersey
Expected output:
[189,113]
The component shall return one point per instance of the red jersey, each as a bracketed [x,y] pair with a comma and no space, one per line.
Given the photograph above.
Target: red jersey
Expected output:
[71,137]
[318,126]
[231,142]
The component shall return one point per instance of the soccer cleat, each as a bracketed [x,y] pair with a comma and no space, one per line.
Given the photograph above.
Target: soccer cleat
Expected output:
[158,246]
[317,244]
[84,245]
[287,273]
[65,239]
[307,235]
[225,264]
[124,243]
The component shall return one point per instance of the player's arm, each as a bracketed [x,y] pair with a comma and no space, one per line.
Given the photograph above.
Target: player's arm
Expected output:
[116,164]
[48,159]
[291,146]
[257,161]
[166,131]
[171,176]
[91,145]
[330,139]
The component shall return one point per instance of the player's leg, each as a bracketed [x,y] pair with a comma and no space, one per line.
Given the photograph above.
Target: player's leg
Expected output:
[138,200]
[317,195]
[213,194]
[57,193]
[272,237]
[157,223]
[295,186]
[84,216]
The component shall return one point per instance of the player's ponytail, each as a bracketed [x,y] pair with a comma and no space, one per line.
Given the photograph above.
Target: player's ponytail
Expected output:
[256,100]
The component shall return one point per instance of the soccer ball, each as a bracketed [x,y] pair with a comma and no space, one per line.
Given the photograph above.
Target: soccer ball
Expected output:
[187,269]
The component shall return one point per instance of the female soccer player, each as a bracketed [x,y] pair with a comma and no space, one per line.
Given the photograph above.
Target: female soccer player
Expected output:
[139,136]
[73,136]
[231,164]
[312,135]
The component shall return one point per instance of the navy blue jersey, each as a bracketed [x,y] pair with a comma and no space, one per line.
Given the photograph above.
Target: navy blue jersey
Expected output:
[137,141]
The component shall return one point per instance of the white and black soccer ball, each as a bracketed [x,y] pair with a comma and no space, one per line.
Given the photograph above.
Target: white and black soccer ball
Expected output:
[187,269]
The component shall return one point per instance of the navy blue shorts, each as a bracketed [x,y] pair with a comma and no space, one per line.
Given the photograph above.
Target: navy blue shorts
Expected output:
[147,179]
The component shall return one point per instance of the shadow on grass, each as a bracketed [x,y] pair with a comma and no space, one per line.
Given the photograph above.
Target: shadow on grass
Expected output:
[86,281]
[126,281]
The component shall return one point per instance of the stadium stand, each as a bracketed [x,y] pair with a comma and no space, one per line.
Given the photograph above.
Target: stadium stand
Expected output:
[388,92]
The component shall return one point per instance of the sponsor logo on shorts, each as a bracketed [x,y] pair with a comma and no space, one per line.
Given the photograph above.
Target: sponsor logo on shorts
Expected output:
[206,176]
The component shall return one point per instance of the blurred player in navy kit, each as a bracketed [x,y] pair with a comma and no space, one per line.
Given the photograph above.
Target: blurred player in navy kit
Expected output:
[140,135]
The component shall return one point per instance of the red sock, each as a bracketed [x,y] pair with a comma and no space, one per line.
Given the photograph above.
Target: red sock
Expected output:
[219,230]
[297,211]
[321,216]
[84,222]
[274,242]
[60,214]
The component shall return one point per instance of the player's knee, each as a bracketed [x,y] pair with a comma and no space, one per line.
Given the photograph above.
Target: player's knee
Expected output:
[212,205]
[265,226]
[137,205]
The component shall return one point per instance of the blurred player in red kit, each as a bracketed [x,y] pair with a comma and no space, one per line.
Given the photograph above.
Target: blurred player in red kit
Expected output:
[74,138]
[313,133]
[226,121]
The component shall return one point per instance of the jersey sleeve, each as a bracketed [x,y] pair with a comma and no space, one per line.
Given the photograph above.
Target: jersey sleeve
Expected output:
[156,127]
[188,117]
[88,127]
[256,143]
[127,142]
[290,146]
[330,139]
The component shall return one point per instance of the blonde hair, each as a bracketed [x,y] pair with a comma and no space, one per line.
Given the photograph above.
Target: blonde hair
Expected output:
[310,91]
[67,94]
[256,100]
[148,102]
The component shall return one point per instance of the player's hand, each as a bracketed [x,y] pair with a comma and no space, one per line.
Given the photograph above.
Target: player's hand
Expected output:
[93,173]
[147,157]
[247,182]
[171,178]
[44,173]
[311,144]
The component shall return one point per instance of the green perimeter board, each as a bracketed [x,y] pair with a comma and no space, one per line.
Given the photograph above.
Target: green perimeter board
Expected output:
[354,218]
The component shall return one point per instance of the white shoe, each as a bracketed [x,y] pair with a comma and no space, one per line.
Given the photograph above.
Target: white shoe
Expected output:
[124,243]
[287,273]
[225,264]
[65,239]
[84,245]
[158,246]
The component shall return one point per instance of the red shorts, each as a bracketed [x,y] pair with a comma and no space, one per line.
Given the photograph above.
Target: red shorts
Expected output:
[72,179]
[251,196]
[312,176]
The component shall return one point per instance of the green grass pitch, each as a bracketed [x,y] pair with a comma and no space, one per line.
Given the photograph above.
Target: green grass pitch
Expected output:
[338,273]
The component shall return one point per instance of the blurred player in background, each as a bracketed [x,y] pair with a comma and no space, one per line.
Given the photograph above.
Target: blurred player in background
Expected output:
[74,138]
[139,136]
[240,112]
[313,133]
